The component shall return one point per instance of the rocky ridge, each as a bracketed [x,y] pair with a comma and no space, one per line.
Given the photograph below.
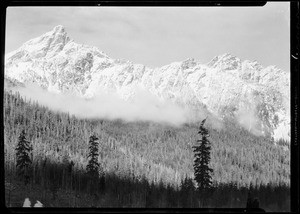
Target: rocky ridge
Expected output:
[225,86]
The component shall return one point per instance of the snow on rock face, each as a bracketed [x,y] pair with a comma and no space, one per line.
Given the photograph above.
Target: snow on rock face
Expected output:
[226,85]
[225,62]
[250,71]
[46,45]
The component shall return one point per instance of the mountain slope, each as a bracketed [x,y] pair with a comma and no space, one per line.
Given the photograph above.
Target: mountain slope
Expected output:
[257,97]
[156,151]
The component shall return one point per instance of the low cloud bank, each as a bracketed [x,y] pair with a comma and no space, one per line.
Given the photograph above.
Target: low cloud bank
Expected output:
[144,106]
[248,119]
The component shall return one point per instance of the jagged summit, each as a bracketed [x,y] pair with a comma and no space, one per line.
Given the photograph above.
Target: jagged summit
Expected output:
[188,63]
[59,28]
[225,61]
[57,35]
[46,45]
[225,85]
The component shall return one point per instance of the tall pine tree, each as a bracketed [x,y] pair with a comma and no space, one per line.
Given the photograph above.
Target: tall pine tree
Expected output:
[202,171]
[23,151]
[93,169]
[93,164]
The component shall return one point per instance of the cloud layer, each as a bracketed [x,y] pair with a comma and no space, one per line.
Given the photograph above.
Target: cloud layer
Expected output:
[144,106]
[249,120]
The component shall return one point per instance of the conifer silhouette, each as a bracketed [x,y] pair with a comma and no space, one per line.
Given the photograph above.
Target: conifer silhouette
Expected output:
[23,151]
[93,164]
[202,171]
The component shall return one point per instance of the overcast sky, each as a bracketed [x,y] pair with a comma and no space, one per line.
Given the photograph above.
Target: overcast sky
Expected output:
[157,36]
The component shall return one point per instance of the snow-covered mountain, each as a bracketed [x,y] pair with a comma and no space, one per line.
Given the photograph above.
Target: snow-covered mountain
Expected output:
[226,86]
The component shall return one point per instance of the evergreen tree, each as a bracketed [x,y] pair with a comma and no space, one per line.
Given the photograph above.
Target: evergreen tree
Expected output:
[202,171]
[94,170]
[23,150]
[93,165]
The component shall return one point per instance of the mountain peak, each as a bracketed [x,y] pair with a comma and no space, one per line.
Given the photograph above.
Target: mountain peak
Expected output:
[59,28]
[225,61]
[58,33]
[49,44]
[227,55]
[188,63]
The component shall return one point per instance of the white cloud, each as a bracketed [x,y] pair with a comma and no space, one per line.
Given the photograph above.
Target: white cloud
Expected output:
[144,106]
[247,118]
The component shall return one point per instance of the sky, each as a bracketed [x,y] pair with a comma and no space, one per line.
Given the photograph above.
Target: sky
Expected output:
[157,36]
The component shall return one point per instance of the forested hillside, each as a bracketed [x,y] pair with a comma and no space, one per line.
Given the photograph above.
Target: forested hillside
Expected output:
[156,151]
[142,152]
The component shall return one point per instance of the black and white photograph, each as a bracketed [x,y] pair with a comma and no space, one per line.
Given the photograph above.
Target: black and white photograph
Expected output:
[147,107]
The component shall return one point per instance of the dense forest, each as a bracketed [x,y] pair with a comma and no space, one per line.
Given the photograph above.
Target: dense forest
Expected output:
[146,164]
